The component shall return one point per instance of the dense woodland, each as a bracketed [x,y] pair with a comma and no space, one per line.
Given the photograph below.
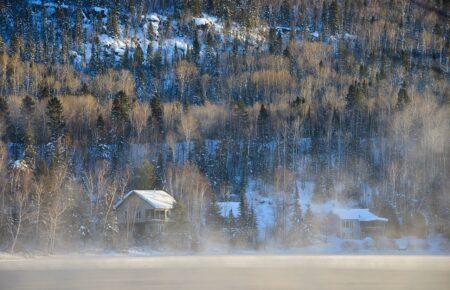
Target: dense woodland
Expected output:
[353,96]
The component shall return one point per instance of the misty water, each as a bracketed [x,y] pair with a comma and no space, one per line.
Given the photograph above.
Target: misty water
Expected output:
[227,272]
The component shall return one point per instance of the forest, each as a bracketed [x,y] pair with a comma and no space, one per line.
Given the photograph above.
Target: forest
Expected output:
[213,101]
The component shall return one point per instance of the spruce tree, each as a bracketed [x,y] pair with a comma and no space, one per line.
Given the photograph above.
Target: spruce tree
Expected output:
[160,172]
[196,7]
[144,176]
[324,17]
[334,18]
[307,228]
[272,40]
[297,222]
[2,45]
[263,124]
[214,220]
[58,157]
[320,194]
[157,114]
[138,57]
[120,113]
[149,57]
[285,16]
[178,228]
[125,60]
[196,49]
[100,129]
[199,155]
[113,27]
[78,28]
[232,228]
[403,98]
[29,149]
[4,108]
[55,117]
[27,109]
[100,138]
[151,32]
[157,64]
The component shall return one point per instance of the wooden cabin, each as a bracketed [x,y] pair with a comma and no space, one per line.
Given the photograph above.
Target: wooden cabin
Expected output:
[145,213]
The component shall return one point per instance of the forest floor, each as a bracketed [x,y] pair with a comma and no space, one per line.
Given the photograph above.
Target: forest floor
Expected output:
[227,271]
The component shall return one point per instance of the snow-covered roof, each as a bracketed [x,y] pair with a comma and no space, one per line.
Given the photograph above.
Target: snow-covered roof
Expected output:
[361,214]
[158,199]
[202,21]
[227,206]
[19,165]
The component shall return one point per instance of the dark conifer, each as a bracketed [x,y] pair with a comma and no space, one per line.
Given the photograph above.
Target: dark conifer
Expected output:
[55,117]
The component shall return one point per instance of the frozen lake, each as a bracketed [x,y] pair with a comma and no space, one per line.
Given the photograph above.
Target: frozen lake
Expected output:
[227,272]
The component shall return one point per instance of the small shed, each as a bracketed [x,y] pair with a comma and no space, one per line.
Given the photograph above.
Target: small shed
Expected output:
[358,223]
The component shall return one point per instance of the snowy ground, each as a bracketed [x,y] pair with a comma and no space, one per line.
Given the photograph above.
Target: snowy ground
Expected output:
[225,272]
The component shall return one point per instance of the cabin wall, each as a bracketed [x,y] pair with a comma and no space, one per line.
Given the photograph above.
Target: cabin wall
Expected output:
[350,229]
[132,209]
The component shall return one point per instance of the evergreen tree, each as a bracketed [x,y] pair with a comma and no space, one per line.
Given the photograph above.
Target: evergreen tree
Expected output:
[219,174]
[273,40]
[17,46]
[160,172]
[64,53]
[297,223]
[357,94]
[263,124]
[29,149]
[2,45]
[95,55]
[121,121]
[213,218]
[403,98]
[212,6]
[100,129]
[253,228]
[55,117]
[199,155]
[179,226]
[247,222]
[78,28]
[58,157]
[157,64]
[157,115]
[113,27]
[125,60]
[232,228]
[243,214]
[334,19]
[149,57]
[285,15]
[196,49]
[196,6]
[4,108]
[324,17]
[100,137]
[307,228]
[28,106]
[320,194]
[138,57]
[144,176]
[151,32]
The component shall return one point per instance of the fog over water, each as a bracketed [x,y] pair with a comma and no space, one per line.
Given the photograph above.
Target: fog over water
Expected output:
[225,272]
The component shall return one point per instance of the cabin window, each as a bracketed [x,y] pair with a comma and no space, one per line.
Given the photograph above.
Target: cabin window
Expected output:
[138,215]
[159,214]
[155,214]
[348,224]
